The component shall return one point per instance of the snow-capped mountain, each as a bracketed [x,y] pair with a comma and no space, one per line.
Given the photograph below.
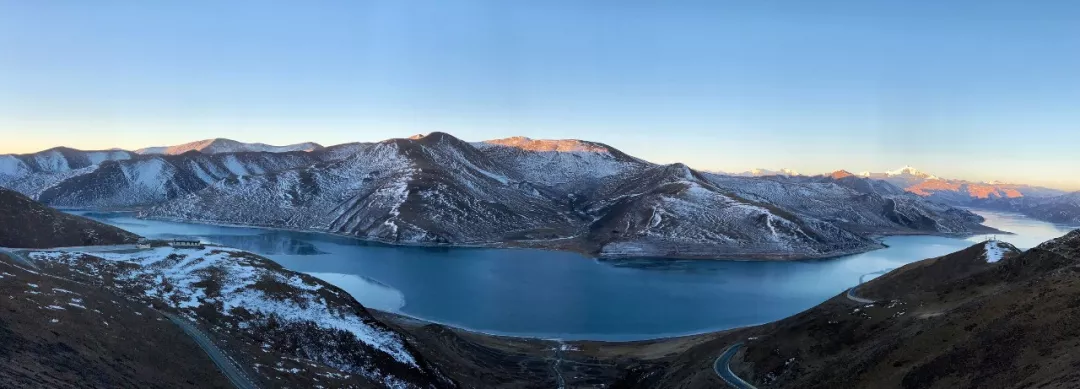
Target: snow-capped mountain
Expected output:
[768,172]
[565,194]
[220,145]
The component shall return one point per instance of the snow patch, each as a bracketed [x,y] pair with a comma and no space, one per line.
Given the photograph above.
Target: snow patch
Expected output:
[994,251]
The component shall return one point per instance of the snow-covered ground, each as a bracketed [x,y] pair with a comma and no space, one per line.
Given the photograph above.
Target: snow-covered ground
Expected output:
[994,251]
[246,292]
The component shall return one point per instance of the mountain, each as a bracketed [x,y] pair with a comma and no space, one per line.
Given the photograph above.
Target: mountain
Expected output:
[988,316]
[25,223]
[82,179]
[767,172]
[1063,209]
[437,189]
[957,192]
[220,145]
[564,194]
[855,204]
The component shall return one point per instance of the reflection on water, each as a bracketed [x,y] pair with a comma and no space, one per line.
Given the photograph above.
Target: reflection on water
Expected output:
[557,294]
[373,293]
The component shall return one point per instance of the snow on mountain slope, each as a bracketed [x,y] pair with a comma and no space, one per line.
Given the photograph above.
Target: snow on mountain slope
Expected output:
[150,179]
[856,203]
[567,194]
[219,145]
[570,166]
[250,298]
[436,189]
[673,209]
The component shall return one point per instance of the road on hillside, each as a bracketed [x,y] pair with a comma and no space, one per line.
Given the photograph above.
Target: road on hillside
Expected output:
[226,365]
[851,291]
[723,368]
[17,257]
[96,249]
[851,296]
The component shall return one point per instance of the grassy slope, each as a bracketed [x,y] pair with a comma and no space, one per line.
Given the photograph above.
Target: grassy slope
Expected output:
[25,223]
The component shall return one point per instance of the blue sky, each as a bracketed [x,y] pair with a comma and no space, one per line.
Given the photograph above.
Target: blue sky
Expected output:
[981,90]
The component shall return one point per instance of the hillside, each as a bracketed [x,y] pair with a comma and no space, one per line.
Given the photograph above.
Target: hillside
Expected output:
[25,223]
[60,334]
[985,317]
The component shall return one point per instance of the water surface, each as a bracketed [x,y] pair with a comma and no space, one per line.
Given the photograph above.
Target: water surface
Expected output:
[563,295]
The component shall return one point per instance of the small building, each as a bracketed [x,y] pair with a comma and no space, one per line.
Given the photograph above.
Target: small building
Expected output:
[184,243]
[142,244]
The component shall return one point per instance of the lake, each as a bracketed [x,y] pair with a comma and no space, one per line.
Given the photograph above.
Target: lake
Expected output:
[534,293]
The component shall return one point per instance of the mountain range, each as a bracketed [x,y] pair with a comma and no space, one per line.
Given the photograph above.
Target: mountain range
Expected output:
[220,145]
[1047,204]
[437,189]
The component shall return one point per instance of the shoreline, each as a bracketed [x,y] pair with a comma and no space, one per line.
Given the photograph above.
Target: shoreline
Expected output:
[538,244]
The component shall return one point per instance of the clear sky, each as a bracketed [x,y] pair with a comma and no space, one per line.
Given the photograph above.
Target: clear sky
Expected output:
[981,90]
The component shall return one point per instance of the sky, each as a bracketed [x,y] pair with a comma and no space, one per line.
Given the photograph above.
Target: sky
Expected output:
[981,90]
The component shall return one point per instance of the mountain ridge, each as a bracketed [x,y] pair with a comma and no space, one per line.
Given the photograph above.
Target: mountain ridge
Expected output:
[223,145]
[563,194]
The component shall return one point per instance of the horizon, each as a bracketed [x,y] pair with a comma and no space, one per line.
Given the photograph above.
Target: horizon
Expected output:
[965,90]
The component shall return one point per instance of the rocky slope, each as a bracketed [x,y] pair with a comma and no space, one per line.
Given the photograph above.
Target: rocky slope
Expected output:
[219,145]
[437,189]
[985,317]
[25,223]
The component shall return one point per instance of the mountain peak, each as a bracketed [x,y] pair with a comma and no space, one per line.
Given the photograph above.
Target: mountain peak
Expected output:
[767,172]
[841,174]
[909,171]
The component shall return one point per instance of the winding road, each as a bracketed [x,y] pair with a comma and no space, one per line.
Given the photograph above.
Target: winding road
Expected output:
[555,366]
[227,367]
[17,257]
[851,291]
[722,366]
[851,296]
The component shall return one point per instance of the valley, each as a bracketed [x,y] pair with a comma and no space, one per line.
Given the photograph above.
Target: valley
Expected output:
[511,292]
